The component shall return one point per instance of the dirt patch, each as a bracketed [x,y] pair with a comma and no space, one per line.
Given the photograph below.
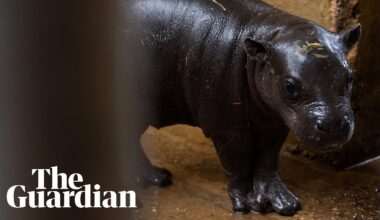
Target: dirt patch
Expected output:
[199,190]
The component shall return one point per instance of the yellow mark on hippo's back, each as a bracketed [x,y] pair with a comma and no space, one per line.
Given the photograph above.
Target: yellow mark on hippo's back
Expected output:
[219,4]
[321,56]
[314,44]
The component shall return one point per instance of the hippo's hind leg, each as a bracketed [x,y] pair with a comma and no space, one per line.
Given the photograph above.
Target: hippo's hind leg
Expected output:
[145,172]
[268,191]
[150,174]
[234,149]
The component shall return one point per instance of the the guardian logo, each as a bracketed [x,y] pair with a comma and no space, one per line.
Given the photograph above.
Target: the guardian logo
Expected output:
[67,192]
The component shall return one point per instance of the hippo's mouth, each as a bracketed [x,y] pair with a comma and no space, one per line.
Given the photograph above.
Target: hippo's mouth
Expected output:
[327,148]
[318,146]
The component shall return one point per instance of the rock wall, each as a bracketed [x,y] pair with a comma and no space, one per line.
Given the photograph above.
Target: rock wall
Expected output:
[366,96]
[317,11]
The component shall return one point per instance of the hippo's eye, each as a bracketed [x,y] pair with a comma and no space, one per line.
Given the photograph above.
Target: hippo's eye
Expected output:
[291,88]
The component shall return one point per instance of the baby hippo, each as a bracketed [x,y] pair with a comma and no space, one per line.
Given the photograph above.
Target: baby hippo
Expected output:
[245,73]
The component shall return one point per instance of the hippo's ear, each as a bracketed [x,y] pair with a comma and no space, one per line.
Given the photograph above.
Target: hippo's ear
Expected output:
[351,36]
[256,48]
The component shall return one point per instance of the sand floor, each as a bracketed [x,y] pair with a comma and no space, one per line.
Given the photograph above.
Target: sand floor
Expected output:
[199,189]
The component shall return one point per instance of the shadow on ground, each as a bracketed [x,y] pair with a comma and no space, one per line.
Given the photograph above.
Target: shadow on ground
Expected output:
[199,190]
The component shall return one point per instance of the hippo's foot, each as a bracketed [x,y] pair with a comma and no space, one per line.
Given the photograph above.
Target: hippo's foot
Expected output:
[239,202]
[155,176]
[270,193]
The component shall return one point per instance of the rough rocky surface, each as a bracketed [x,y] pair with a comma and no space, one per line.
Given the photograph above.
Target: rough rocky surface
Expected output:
[366,93]
[199,190]
[317,11]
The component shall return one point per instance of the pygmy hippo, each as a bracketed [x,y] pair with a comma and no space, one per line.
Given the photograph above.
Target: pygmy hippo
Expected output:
[245,73]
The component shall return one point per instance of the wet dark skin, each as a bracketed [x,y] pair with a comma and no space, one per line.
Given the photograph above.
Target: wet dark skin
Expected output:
[245,73]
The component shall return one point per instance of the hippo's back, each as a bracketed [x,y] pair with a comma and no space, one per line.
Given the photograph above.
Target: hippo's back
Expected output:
[181,45]
[160,21]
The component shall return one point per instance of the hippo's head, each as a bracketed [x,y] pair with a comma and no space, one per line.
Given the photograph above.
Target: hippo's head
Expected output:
[302,75]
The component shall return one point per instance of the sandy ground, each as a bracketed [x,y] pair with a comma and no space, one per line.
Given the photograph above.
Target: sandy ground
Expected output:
[199,189]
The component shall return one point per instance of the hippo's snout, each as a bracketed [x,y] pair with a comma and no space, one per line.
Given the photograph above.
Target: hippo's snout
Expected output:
[323,130]
[338,130]
[339,126]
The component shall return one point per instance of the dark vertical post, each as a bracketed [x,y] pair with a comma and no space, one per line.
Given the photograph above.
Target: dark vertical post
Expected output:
[57,98]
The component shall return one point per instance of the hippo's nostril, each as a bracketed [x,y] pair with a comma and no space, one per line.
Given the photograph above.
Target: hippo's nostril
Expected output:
[321,128]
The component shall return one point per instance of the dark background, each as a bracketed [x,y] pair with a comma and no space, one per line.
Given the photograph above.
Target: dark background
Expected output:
[59,71]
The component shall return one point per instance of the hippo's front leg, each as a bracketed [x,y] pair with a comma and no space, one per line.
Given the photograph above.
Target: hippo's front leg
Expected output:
[235,150]
[268,191]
